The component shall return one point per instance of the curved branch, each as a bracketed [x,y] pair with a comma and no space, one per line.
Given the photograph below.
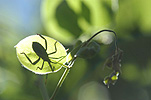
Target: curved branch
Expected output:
[101,32]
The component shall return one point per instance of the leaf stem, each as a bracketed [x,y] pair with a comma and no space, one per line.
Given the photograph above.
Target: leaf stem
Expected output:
[87,42]
[60,83]
[63,77]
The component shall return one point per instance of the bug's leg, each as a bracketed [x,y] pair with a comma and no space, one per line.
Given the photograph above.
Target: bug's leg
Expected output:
[46,79]
[55,52]
[35,62]
[55,49]
[58,57]
[44,39]
[51,66]
[41,66]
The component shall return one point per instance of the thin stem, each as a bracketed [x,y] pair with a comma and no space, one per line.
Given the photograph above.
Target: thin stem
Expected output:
[63,77]
[72,61]
[87,42]
[60,83]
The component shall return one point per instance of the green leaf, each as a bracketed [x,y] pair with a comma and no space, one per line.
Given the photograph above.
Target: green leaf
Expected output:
[60,20]
[67,20]
[57,57]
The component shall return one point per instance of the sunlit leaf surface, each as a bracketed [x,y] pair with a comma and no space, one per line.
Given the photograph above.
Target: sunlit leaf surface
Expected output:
[57,59]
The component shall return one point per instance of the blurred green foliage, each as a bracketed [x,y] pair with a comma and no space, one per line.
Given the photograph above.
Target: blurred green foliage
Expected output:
[67,21]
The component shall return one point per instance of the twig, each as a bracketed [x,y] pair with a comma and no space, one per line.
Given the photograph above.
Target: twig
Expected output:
[72,61]
[60,83]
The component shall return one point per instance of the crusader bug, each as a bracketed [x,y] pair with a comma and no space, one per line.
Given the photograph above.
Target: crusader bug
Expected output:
[41,52]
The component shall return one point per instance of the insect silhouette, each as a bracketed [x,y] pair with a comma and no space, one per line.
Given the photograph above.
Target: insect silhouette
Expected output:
[41,52]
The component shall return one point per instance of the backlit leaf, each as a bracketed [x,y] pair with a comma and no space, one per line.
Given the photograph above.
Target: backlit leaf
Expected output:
[25,46]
